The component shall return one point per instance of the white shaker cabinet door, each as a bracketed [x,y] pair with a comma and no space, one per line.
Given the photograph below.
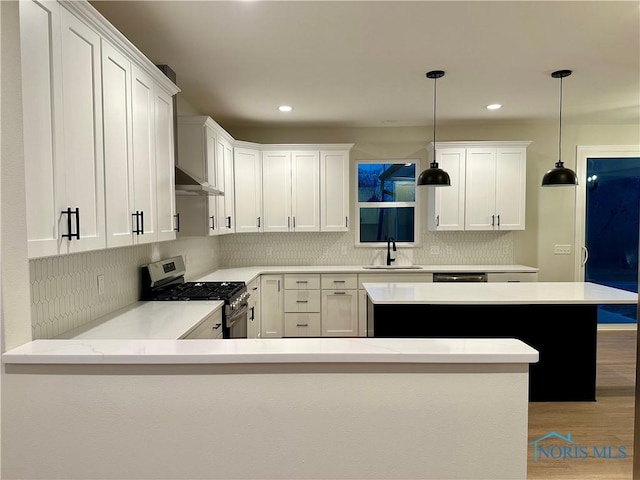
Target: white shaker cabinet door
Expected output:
[165,166]
[144,162]
[334,191]
[305,191]
[42,118]
[340,313]
[118,157]
[446,204]
[271,306]
[511,183]
[82,126]
[276,191]
[480,212]
[248,190]
[226,204]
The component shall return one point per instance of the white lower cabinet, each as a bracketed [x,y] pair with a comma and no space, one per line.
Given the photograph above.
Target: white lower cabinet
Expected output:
[271,306]
[302,305]
[209,328]
[254,315]
[339,305]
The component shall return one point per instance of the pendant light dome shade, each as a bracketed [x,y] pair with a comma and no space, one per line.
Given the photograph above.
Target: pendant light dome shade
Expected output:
[560,176]
[434,176]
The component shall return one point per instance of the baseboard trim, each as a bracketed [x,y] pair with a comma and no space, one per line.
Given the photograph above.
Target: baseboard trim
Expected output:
[617,326]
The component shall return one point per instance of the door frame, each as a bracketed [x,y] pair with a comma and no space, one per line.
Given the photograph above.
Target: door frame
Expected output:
[584,152]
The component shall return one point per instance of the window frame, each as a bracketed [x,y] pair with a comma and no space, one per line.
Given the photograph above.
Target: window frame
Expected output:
[417,231]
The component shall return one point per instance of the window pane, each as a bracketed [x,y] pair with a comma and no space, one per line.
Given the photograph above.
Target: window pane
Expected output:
[378,224]
[386,182]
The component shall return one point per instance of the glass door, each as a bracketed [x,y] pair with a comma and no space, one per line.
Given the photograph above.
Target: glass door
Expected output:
[611,225]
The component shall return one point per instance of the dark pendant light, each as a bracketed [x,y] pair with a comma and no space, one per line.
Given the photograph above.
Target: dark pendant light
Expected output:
[560,176]
[434,176]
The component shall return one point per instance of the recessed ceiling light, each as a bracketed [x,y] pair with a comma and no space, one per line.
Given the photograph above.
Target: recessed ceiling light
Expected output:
[494,106]
[285,108]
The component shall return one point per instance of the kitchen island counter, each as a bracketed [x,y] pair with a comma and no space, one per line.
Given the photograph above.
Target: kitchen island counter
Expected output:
[559,319]
[548,293]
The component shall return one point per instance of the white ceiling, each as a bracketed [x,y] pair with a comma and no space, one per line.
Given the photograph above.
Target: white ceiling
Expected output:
[361,63]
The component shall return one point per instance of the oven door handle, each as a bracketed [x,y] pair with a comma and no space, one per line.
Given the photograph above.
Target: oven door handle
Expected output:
[233,319]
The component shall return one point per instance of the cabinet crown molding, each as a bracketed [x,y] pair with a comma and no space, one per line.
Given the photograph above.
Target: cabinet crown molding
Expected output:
[479,143]
[84,10]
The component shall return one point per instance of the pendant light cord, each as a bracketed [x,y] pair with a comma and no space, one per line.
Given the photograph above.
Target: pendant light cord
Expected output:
[435,86]
[560,128]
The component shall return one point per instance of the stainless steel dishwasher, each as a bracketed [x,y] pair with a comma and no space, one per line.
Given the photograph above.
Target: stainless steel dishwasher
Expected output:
[459,277]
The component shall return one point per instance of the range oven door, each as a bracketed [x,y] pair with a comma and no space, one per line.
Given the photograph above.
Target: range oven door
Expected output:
[235,322]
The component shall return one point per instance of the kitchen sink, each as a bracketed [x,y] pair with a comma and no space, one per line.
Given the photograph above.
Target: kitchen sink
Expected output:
[392,267]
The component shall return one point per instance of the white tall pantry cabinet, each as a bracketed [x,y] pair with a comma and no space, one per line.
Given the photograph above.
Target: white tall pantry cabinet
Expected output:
[65,47]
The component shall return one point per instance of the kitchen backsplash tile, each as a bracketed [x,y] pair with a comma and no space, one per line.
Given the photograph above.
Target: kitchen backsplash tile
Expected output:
[64,289]
[453,248]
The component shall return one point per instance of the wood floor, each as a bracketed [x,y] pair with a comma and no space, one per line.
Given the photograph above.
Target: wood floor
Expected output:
[607,422]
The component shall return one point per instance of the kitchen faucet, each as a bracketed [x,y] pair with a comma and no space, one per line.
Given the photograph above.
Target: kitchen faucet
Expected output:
[391,257]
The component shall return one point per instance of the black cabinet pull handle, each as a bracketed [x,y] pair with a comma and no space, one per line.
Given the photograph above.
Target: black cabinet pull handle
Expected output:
[346,222]
[177,217]
[253,313]
[142,221]
[68,212]
[498,220]
[294,222]
[302,324]
[213,224]
[228,222]
[137,230]
[258,222]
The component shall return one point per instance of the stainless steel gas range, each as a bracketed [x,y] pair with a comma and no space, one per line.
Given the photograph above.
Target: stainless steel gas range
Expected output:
[164,281]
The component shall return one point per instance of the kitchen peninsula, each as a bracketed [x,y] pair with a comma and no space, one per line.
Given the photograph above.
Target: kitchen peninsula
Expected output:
[267,408]
[559,319]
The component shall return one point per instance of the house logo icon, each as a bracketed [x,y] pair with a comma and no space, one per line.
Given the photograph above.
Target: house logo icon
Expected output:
[536,442]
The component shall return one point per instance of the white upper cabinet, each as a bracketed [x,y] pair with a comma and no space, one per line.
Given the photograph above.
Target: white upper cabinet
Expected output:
[488,186]
[291,191]
[496,188]
[248,189]
[334,189]
[62,131]
[446,204]
[78,110]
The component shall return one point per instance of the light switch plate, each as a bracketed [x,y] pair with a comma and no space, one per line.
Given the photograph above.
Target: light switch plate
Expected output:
[562,250]
[435,250]
[101,284]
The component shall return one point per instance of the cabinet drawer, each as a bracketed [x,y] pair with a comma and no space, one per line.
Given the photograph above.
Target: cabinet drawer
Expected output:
[302,282]
[513,277]
[302,300]
[339,281]
[209,328]
[301,324]
[394,278]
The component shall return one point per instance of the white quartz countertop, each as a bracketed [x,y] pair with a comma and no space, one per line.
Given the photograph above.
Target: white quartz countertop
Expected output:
[273,350]
[565,293]
[246,274]
[147,320]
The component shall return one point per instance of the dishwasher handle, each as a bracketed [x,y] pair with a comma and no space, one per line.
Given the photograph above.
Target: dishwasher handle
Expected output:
[459,277]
